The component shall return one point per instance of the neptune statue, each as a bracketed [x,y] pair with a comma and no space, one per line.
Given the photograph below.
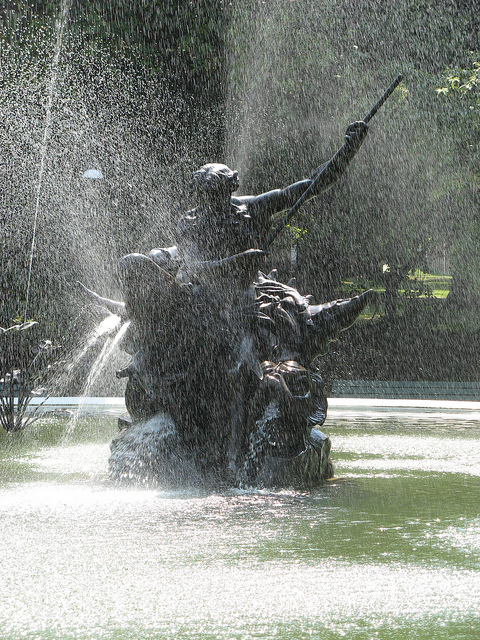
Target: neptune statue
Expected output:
[222,386]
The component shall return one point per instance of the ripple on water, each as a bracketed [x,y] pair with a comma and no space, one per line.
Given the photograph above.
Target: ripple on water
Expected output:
[424,453]
[82,559]
[465,535]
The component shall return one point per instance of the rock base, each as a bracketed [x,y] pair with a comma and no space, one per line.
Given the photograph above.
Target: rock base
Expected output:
[150,453]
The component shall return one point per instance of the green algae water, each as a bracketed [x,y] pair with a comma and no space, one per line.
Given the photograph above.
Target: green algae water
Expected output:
[389,549]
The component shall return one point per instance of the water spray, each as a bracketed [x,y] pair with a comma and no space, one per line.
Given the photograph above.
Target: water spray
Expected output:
[46,132]
[283,223]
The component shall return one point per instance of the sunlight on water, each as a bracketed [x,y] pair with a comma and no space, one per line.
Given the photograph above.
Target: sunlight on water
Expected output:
[96,349]
[109,324]
[403,452]
[111,344]
[88,459]
[391,549]
[87,559]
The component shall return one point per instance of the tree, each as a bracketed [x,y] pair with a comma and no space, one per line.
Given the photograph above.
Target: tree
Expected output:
[459,99]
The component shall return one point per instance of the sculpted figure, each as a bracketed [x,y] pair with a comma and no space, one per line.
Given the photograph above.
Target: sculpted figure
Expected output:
[222,352]
[222,224]
[221,384]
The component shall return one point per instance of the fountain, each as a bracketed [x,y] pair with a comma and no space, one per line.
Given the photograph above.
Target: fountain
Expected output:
[221,386]
[389,548]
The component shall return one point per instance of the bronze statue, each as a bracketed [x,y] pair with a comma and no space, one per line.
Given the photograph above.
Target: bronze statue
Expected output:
[223,226]
[221,385]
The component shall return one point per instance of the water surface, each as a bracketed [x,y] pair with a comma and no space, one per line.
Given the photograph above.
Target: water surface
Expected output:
[389,549]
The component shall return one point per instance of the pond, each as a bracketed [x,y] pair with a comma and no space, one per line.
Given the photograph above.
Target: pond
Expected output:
[390,548]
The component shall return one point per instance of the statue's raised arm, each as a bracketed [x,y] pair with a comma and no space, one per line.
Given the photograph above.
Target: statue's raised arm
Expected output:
[262,207]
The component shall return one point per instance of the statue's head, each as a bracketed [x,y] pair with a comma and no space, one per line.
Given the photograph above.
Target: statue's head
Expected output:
[215,178]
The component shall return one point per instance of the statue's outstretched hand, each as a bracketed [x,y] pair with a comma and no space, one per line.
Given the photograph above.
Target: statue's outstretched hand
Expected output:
[356,133]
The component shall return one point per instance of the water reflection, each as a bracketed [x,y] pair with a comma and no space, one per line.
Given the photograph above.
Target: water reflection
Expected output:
[389,549]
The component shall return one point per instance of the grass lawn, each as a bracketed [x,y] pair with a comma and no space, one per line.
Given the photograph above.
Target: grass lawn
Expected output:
[439,286]
[427,284]
[423,286]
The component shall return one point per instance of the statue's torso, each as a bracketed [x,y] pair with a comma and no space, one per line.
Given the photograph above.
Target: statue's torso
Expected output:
[203,238]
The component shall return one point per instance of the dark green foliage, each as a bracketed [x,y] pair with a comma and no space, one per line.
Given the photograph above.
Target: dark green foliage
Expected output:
[182,40]
[429,34]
